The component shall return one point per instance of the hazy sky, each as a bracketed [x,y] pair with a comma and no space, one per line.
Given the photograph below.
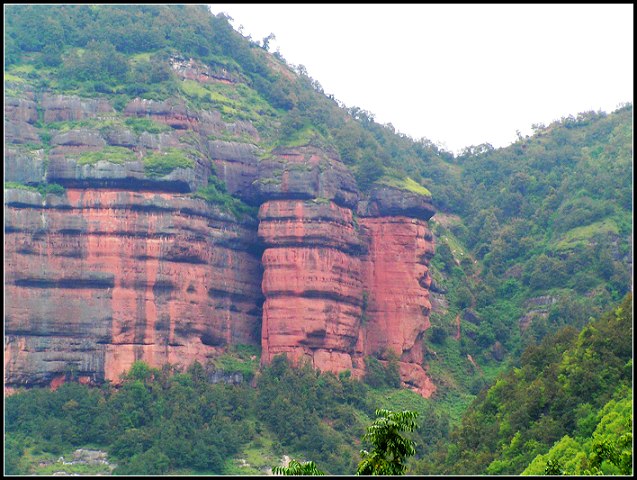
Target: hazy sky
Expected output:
[458,75]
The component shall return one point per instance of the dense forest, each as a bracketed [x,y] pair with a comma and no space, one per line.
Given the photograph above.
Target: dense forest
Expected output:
[569,403]
[531,278]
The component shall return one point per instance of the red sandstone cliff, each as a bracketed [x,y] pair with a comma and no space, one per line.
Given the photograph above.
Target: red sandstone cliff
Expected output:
[312,275]
[122,266]
[396,277]
[321,268]
[99,279]
[125,267]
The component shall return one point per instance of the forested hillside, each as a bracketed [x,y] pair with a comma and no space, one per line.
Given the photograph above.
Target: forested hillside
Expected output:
[529,346]
[543,239]
[572,392]
[561,395]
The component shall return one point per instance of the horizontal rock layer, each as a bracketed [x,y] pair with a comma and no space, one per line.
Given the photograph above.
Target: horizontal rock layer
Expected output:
[98,279]
[126,266]
[311,283]
[396,276]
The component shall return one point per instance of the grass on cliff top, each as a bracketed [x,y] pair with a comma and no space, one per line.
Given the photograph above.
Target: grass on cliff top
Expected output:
[302,135]
[234,102]
[43,188]
[158,164]
[405,183]
[116,155]
[581,236]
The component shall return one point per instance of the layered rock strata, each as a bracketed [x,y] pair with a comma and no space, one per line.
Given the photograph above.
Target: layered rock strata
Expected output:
[312,275]
[122,266]
[337,289]
[128,266]
[396,279]
[98,279]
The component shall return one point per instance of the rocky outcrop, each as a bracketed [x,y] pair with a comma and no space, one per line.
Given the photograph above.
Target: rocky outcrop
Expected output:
[129,175]
[305,173]
[98,279]
[236,165]
[334,273]
[61,108]
[19,116]
[385,201]
[20,132]
[536,308]
[192,70]
[20,110]
[398,305]
[126,265]
[24,166]
[312,277]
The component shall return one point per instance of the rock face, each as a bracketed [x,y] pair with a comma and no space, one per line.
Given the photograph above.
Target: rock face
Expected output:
[398,303]
[236,164]
[98,279]
[127,266]
[312,273]
[324,273]
[122,266]
[312,283]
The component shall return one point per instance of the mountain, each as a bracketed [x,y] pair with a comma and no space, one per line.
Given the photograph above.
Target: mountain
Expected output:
[161,207]
[182,207]
[568,401]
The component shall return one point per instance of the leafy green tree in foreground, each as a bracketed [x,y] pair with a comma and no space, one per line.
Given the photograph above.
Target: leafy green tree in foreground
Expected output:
[390,448]
[389,453]
[296,468]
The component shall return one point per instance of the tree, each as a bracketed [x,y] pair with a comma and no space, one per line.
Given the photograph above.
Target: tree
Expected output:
[266,41]
[296,468]
[389,453]
[390,448]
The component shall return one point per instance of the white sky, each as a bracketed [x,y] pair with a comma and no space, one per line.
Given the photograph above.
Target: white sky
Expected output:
[458,75]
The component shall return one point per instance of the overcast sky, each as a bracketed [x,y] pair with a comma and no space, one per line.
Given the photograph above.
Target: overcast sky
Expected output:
[458,75]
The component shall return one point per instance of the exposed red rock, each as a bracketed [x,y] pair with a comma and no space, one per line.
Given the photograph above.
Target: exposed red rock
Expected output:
[60,108]
[122,267]
[20,109]
[192,70]
[311,283]
[396,279]
[135,276]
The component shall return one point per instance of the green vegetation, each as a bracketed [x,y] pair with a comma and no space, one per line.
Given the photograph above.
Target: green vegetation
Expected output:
[215,194]
[296,468]
[570,392]
[117,155]
[547,219]
[405,184]
[390,449]
[384,374]
[19,186]
[170,421]
[140,125]
[553,396]
[608,451]
[158,164]
[243,359]
[43,188]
